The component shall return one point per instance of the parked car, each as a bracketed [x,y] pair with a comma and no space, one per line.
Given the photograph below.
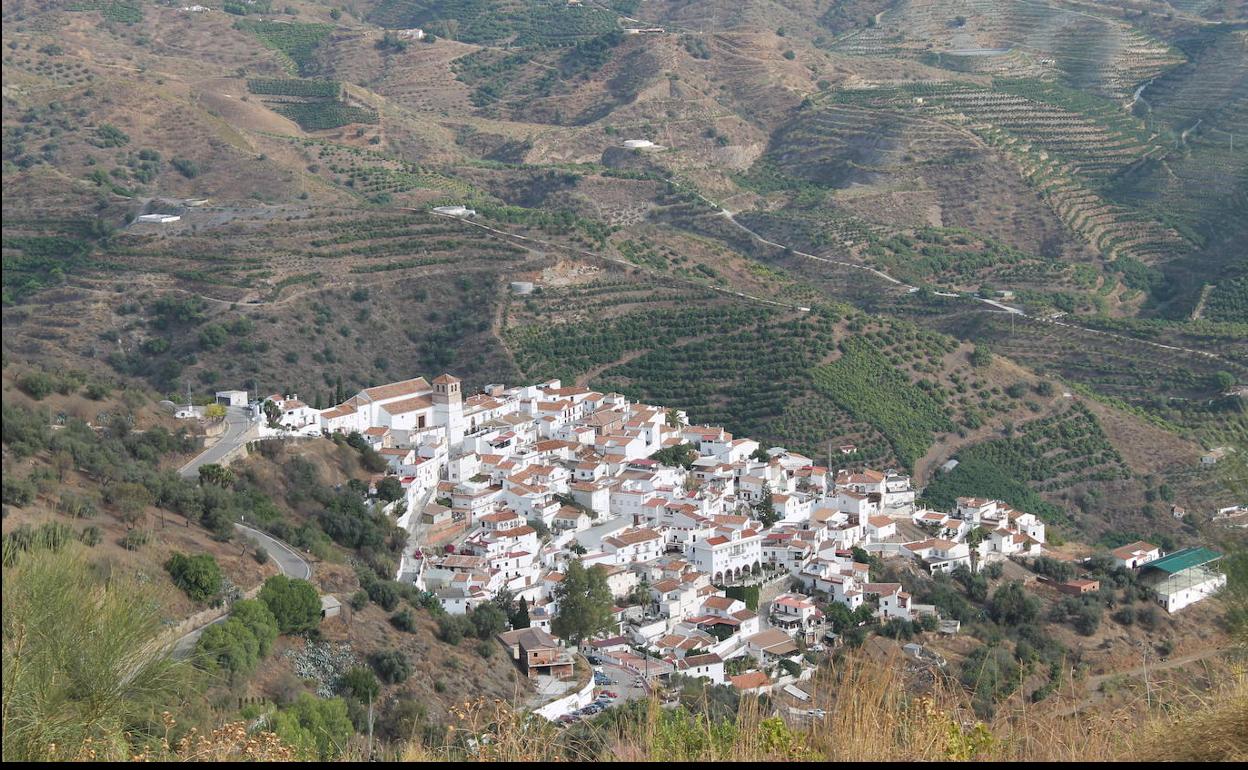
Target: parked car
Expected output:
[817,713]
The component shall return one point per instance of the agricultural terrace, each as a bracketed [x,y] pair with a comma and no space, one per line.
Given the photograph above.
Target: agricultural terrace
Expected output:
[1130,373]
[543,23]
[800,380]
[1058,452]
[313,242]
[295,42]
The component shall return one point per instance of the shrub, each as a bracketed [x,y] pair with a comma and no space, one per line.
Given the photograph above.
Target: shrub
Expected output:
[198,576]
[185,167]
[18,492]
[294,603]
[384,593]
[317,728]
[362,683]
[37,385]
[404,621]
[135,539]
[391,666]
[359,600]
[91,536]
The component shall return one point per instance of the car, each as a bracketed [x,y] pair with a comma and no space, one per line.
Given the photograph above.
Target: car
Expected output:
[816,713]
[610,694]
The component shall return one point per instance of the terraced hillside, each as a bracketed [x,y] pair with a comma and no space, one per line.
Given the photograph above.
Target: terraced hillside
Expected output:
[336,295]
[1027,38]
[1059,157]
[800,379]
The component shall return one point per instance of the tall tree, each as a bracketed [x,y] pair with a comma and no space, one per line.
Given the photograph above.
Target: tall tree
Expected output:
[584,603]
[765,508]
[520,618]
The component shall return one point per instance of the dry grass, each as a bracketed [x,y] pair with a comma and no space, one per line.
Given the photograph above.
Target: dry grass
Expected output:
[871,717]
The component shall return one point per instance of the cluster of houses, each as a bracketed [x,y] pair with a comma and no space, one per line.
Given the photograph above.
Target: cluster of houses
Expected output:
[523,480]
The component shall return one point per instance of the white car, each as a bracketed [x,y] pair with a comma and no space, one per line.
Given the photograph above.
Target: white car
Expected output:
[816,713]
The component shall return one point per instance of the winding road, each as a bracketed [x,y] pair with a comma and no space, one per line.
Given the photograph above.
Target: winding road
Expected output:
[238,430]
[997,306]
[287,559]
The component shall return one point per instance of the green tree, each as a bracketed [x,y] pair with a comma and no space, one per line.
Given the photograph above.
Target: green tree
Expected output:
[488,620]
[681,455]
[214,473]
[1011,606]
[255,614]
[981,356]
[520,618]
[362,683]
[230,646]
[272,413]
[198,576]
[765,509]
[318,729]
[584,603]
[391,666]
[390,488]
[293,602]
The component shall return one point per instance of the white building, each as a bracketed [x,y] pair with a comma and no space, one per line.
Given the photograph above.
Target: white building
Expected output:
[728,556]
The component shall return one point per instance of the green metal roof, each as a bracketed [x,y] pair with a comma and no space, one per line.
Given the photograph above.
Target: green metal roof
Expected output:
[1185,559]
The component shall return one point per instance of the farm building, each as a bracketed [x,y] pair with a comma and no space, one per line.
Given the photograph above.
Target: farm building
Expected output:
[232,397]
[330,606]
[1182,578]
[159,219]
[455,211]
[538,653]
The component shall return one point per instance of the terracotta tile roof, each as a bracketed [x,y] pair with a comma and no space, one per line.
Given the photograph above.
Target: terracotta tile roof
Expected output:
[750,681]
[396,389]
[413,404]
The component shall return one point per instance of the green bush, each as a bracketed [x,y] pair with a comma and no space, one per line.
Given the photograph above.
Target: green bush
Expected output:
[198,576]
[316,728]
[294,603]
[361,683]
[392,666]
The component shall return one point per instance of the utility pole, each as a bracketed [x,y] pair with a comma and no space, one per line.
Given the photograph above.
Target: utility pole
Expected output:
[370,726]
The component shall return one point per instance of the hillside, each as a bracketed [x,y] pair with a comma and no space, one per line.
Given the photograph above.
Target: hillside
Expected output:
[886,235]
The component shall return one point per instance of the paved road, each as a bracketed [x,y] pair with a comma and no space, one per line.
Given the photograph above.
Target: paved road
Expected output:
[238,430]
[287,558]
[284,556]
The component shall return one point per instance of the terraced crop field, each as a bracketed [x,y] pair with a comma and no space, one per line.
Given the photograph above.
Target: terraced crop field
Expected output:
[1064,156]
[1065,450]
[797,379]
[296,42]
[1027,38]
